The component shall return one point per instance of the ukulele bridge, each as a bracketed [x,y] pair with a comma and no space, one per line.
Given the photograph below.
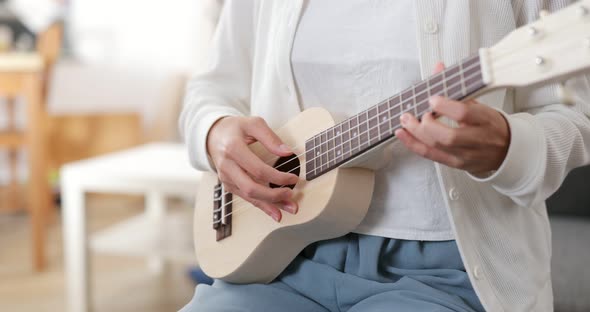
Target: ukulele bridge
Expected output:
[222,209]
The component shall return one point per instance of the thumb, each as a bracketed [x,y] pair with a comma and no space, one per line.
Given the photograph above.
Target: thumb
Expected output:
[258,129]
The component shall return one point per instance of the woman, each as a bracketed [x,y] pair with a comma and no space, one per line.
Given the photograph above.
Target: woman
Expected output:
[457,221]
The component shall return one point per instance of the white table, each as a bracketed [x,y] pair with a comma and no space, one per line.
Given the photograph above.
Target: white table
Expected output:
[154,170]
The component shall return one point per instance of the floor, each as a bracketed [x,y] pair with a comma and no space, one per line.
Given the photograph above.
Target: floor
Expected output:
[119,283]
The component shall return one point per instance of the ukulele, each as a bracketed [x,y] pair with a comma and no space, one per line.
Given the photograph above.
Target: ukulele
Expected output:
[238,243]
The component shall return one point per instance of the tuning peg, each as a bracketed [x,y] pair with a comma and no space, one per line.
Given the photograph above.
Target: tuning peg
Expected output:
[565,94]
[583,11]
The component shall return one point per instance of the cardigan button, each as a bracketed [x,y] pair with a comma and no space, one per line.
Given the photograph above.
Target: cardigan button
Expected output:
[453,194]
[431,27]
[477,274]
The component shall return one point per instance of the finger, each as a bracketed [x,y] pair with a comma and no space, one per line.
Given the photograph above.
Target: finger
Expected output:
[260,170]
[230,187]
[445,136]
[271,210]
[413,126]
[258,129]
[257,191]
[460,112]
[288,205]
[440,66]
[426,151]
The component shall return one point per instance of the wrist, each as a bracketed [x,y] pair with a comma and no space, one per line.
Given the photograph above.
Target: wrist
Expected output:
[211,134]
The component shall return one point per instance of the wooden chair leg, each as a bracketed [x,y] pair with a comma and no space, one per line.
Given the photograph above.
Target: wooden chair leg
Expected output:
[38,193]
[49,209]
[14,199]
[13,194]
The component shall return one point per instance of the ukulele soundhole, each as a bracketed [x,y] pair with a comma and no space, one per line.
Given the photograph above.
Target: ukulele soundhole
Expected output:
[289,164]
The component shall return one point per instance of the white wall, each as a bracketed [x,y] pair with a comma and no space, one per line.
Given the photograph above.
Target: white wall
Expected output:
[152,33]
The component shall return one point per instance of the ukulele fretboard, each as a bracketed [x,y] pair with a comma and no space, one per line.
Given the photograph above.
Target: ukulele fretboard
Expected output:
[367,129]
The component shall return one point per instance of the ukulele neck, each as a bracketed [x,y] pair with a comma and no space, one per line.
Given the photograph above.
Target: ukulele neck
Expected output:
[366,130]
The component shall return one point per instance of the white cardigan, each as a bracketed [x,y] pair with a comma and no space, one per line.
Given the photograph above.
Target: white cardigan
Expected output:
[500,223]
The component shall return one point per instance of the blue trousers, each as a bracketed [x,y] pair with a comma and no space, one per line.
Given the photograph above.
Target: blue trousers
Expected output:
[354,273]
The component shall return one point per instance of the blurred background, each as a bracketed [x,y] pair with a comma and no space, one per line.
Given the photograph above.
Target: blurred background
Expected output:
[96,191]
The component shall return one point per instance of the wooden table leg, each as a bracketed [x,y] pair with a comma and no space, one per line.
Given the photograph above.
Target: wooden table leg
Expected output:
[39,192]
[75,236]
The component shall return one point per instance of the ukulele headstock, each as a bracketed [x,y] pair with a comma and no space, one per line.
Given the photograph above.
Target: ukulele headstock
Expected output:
[554,48]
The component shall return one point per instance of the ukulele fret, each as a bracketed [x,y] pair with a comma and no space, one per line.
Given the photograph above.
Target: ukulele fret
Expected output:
[338,143]
[355,140]
[346,145]
[323,150]
[453,81]
[421,98]
[383,119]
[363,127]
[372,125]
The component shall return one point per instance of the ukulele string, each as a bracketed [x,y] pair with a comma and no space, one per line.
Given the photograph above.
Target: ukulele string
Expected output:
[400,105]
[282,186]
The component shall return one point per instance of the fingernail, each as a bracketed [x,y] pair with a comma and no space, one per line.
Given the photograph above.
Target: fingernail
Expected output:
[291,208]
[276,216]
[285,148]
[432,101]
[404,118]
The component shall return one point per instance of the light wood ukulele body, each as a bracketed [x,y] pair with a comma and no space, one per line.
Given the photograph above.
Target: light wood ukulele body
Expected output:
[239,243]
[329,206]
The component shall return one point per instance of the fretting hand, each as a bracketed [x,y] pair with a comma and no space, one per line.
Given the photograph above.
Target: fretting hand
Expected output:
[479,144]
[245,174]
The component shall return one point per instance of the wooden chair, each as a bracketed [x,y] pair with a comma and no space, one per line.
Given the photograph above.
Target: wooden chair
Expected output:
[27,75]
[48,47]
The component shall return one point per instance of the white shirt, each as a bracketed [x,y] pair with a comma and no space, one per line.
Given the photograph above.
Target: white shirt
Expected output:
[500,223]
[366,53]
